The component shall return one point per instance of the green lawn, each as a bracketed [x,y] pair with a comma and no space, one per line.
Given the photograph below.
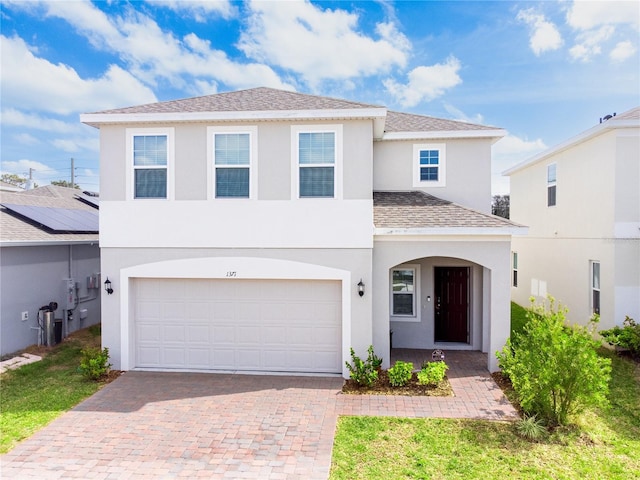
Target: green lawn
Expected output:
[35,394]
[604,443]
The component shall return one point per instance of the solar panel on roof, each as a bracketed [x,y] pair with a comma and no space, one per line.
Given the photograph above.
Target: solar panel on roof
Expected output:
[58,219]
[89,200]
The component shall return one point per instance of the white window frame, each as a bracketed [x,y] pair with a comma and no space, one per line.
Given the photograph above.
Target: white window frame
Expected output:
[169,132]
[442,165]
[552,183]
[253,161]
[592,287]
[514,273]
[296,130]
[416,294]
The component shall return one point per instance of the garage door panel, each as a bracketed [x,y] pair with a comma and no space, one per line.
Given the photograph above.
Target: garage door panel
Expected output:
[261,325]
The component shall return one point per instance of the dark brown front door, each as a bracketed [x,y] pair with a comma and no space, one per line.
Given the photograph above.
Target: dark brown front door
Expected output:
[452,304]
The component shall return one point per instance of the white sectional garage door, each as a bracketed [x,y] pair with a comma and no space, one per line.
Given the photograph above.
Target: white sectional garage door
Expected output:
[251,325]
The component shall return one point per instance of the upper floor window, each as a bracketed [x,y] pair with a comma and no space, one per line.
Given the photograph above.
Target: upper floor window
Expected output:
[232,162]
[317,158]
[551,185]
[429,165]
[150,153]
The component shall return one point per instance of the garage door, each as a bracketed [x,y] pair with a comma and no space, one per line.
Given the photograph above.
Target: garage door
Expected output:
[251,325]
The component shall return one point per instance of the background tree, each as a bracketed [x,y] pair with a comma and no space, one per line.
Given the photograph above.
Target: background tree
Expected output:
[64,183]
[14,179]
[500,205]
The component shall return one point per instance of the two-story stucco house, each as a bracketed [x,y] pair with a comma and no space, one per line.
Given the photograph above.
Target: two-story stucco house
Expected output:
[581,200]
[265,230]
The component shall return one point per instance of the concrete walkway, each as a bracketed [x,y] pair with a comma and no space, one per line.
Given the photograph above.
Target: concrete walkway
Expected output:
[188,425]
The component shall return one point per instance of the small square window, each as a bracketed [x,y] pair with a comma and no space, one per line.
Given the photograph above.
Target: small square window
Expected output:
[429,165]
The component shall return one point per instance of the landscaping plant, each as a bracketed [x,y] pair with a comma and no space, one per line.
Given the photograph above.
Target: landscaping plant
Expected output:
[627,337]
[363,372]
[432,373]
[531,428]
[400,373]
[95,363]
[555,369]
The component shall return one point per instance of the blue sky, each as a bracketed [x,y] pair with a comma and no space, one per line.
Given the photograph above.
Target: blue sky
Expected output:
[543,71]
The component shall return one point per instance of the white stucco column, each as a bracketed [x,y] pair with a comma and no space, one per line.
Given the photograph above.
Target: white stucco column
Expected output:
[500,312]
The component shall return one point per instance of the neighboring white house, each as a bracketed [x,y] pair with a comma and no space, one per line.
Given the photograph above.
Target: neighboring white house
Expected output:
[48,253]
[239,229]
[581,201]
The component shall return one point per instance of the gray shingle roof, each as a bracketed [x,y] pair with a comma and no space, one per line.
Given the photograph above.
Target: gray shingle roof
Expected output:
[409,122]
[251,100]
[633,114]
[421,210]
[16,229]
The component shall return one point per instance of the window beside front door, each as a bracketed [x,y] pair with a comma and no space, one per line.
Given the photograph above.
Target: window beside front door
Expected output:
[429,162]
[403,292]
[595,288]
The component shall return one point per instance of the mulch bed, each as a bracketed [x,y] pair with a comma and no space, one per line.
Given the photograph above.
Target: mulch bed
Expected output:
[413,388]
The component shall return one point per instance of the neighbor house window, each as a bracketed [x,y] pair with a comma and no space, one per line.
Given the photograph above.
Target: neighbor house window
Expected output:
[595,287]
[551,185]
[515,269]
[150,153]
[232,161]
[429,162]
[232,154]
[317,155]
[403,289]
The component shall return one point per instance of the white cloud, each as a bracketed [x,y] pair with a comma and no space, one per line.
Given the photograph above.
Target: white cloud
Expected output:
[460,116]
[72,145]
[622,51]
[15,118]
[508,152]
[152,54]
[26,139]
[588,14]
[199,10]
[35,83]
[590,43]
[21,167]
[544,34]
[320,44]
[425,83]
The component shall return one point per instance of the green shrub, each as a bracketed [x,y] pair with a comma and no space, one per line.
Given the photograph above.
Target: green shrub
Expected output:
[363,372]
[400,373]
[432,373]
[555,370]
[626,337]
[95,363]
[375,361]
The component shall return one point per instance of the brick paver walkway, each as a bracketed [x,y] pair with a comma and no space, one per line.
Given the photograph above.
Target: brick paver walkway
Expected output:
[189,425]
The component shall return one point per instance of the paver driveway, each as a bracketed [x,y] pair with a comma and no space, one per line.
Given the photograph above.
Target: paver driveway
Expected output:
[188,425]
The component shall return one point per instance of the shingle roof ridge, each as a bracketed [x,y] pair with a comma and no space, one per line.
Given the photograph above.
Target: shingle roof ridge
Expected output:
[251,99]
[631,114]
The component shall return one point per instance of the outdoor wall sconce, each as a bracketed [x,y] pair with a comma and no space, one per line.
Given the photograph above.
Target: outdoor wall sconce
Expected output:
[360,288]
[107,286]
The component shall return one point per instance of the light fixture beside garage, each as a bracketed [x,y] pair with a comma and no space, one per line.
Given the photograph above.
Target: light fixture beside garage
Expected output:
[360,288]
[107,286]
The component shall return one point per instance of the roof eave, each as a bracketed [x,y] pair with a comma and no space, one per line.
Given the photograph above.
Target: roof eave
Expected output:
[495,134]
[452,231]
[582,137]
[45,243]
[97,119]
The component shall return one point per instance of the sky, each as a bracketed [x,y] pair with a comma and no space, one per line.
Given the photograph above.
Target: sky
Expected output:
[542,70]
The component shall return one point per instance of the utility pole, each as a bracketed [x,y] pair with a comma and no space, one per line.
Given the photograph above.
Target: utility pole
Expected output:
[73,170]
